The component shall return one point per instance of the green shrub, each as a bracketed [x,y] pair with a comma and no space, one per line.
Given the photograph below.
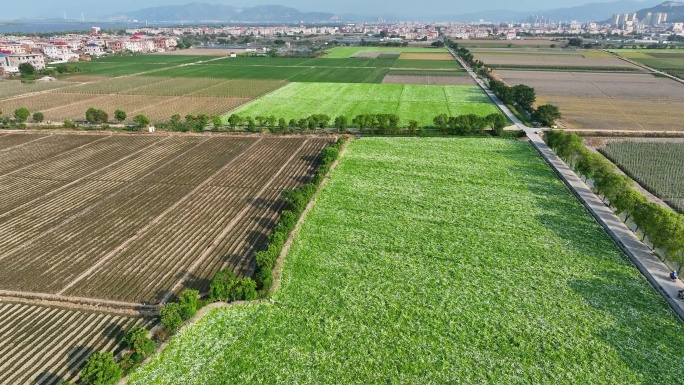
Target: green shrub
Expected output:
[170,317]
[100,369]
[136,339]
[188,304]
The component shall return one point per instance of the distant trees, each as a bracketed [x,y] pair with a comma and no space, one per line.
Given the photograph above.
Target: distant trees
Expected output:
[141,121]
[120,116]
[497,122]
[38,117]
[524,96]
[27,69]
[575,42]
[22,114]
[664,227]
[96,116]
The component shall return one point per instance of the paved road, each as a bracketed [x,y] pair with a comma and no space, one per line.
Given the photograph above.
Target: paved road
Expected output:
[655,271]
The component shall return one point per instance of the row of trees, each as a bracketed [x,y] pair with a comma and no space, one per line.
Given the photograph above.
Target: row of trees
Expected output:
[664,228]
[470,124]
[519,95]
[296,202]
[101,367]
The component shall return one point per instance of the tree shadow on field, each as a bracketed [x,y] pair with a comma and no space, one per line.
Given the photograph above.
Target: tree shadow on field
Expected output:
[262,203]
[558,209]
[76,357]
[113,331]
[47,378]
[641,324]
[193,281]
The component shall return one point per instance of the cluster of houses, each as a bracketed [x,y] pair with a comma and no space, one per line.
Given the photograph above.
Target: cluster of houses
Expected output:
[15,50]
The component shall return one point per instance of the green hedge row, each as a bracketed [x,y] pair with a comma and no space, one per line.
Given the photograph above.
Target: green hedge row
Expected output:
[664,227]
[296,201]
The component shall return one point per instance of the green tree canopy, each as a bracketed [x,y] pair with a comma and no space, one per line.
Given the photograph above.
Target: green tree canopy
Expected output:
[546,114]
[38,117]
[119,115]
[27,69]
[141,120]
[100,369]
[22,114]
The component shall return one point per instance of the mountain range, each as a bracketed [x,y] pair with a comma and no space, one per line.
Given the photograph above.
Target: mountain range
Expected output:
[203,12]
[674,10]
[226,13]
[584,13]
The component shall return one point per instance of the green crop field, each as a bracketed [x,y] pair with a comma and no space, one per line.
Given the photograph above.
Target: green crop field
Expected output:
[439,261]
[304,62]
[418,102]
[399,71]
[430,64]
[666,60]
[346,52]
[153,59]
[657,166]
[295,73]
[118,69]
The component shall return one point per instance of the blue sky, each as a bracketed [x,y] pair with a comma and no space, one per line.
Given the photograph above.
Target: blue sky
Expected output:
[90,8]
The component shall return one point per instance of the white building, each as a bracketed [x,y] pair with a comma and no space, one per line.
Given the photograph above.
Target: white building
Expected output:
[11,62]
[59,51]
[93,49]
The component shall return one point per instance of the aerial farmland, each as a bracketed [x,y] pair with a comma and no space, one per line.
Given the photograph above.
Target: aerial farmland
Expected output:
[332,251]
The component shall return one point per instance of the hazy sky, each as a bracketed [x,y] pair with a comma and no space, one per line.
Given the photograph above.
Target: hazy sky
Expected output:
[90,8]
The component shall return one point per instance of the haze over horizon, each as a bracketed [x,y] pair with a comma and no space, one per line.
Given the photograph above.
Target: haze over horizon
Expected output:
[74,8]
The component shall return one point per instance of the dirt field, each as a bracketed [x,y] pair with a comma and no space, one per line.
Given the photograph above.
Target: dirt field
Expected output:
[72,106]
[607,101]
[47,346]
[425,56]
[507,43]
[128,217]
[429,79]
[550,60]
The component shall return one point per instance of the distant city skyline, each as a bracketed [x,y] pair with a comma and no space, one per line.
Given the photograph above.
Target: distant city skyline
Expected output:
[401,8]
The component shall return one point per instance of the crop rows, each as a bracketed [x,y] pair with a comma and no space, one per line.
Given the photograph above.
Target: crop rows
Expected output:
[44,345]
[24,156]
[148,85]
[118,69]
[72,106]
[273,72]
[430,64]
[657,166]
[9,88]
[347,52]
[140,211]
[54,172]
[419,102]
[12,140]
[409,269]
[230,200]
[42,102]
